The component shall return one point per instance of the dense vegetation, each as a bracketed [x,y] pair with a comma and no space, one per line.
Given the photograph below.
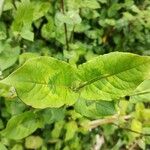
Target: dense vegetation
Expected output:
[74,74]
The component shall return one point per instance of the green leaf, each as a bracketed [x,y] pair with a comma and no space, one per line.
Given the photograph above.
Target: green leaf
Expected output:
[145,114]
[3,34]
[23,19]
[8,56]
[137,127]
[44,82]
[87,108]
[40,9]
[142,93]
[7,91]
[33,142]
[90,4]
[105,108]
[56,132]
[146,130]
[17,147]
[2,146]
[71,17]
[15,106]
[48,29]
[27,34]
[112,11]
[71,128]
[51,115]
[21,126]
[112,76]
[26,56]
[95,109]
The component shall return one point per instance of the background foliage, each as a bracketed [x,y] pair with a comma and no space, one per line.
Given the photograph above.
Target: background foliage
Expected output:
[75,32]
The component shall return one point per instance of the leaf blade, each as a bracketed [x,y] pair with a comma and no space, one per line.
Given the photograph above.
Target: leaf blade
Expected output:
[112,76]
[43,82]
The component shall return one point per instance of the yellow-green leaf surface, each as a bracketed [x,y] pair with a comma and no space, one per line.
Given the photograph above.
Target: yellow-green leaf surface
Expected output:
[47,82]
[142,93]
[113,75]
[21,126]
[44,82]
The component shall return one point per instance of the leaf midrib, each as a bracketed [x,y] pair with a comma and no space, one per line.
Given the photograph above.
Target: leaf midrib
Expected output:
[106,76]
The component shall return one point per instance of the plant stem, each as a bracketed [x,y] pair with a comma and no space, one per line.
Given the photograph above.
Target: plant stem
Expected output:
[65,26]
[130,130]
[112,120]
[108,120]
[72,34]
[1,6]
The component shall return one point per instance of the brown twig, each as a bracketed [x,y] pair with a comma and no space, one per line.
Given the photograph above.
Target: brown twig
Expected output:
[112,120]
[109,120]
[65,25]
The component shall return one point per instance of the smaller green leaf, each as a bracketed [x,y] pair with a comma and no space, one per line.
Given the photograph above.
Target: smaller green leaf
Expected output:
[142,93]
[71,128]
[136,126]
[8,55]
[40,9]
[17,147]
[71,17]
[95,109]
[23,19]
[2,146]
[146,130]
[112,11]
[57,129]
[48,29]
[106,108]
[27,34]
[145,113]
[51,115]
[90,4]
[86,108]
[7,91]
[15,106]
[21,126]
[26,56]
[3,34]
[123,106]
[1,124]
[33,142]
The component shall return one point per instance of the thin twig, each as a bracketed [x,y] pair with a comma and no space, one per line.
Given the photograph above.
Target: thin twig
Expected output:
[109,120]
[72,34]
[112,120]
[13,2]
[1,6]
[65,25]
[130,130]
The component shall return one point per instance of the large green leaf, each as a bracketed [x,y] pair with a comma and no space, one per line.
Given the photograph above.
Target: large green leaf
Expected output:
[112,76]
[44,82]
[21,126]
[47,82]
